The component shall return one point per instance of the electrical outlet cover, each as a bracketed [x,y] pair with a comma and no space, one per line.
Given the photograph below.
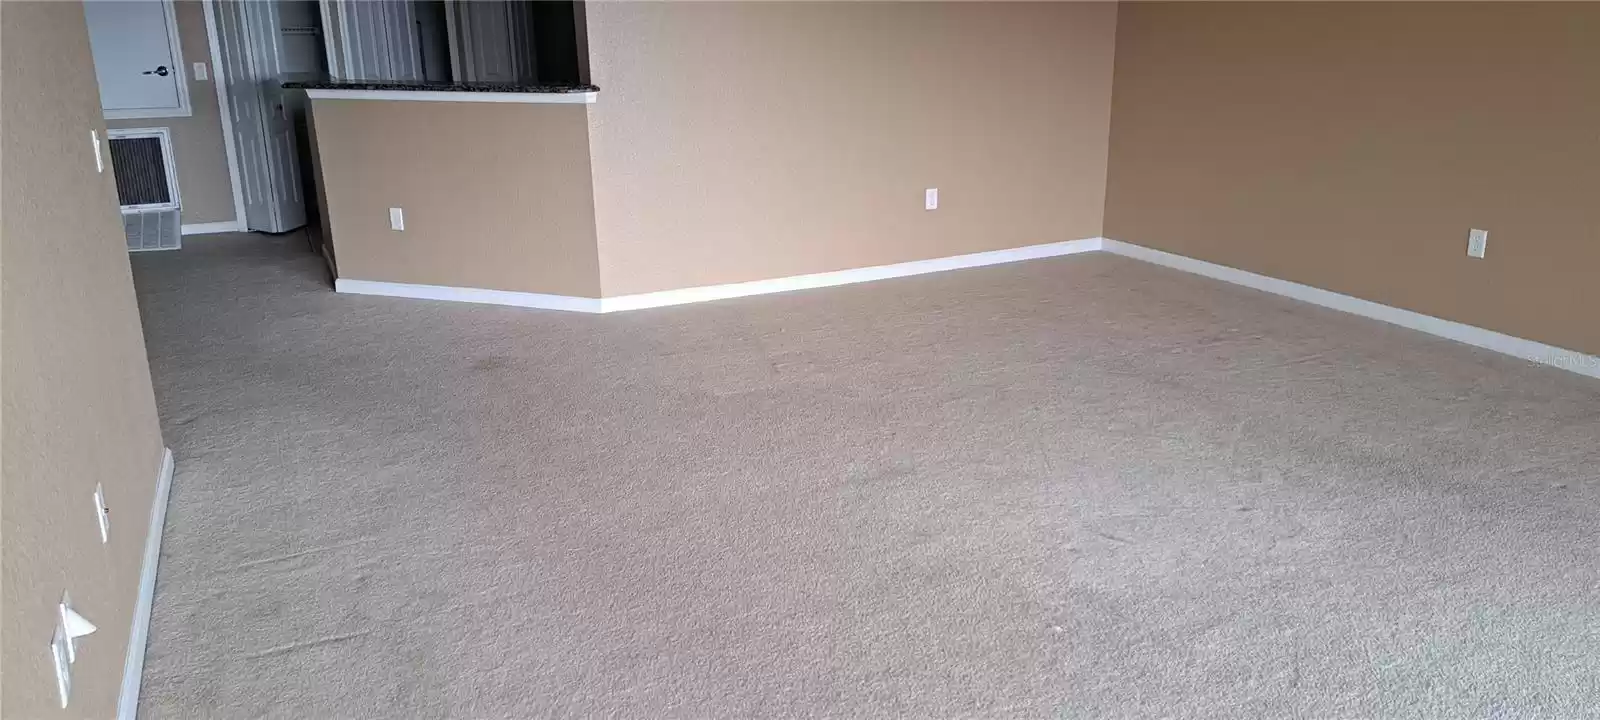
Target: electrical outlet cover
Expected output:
[1477,242]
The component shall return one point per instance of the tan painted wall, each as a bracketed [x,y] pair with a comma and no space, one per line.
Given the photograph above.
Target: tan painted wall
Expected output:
[1351,146]
[496,195]
[197,145]
[77,402]
[742,141]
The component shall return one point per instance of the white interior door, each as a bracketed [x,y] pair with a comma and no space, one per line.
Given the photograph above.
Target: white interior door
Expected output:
[248,35]
[136,58]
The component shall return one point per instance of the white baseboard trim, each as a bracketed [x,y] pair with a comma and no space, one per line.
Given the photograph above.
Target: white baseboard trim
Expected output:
[210,228]
[1530,350]
[468,295]
[845,277]
[133,665]
[713,292]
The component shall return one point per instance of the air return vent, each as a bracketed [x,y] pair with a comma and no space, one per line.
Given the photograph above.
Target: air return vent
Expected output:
[147,188]
[152,230]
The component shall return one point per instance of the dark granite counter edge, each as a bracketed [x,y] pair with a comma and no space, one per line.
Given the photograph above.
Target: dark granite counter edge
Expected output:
[437,87]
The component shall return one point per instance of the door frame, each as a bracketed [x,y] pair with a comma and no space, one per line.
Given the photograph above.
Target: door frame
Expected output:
[219,82]
[175,46]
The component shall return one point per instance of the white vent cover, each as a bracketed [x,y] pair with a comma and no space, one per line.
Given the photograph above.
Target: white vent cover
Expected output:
[147,187]
[152,230]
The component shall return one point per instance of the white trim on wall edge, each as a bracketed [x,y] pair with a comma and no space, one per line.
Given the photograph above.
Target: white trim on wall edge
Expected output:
[210,228]
[845,277]
[153,114]
[467,295]
[713,292]
[1537,352]
[572,98]
[133,666]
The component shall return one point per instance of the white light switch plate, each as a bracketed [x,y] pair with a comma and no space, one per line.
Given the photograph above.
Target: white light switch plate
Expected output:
[1477,242]
[200,71]
[102,514]
[397,219]
[930,199]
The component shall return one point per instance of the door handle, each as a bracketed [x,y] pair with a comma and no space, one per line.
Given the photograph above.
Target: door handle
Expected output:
[160,70]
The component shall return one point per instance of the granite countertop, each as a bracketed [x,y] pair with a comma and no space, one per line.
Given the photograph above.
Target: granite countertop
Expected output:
[427,86]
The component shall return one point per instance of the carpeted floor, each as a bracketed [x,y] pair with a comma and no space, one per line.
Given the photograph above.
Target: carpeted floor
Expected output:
[1081,487]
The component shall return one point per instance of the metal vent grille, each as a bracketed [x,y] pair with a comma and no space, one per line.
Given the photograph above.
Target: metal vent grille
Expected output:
[139,164]
[152,230]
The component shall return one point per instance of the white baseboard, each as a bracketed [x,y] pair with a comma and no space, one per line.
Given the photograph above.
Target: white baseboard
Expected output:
[1537,352]
[210,228]
[713,292]
[468,295]
[133,666]
[1530,350]
[845,277]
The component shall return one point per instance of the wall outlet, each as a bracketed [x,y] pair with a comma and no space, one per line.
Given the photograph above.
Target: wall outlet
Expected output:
[1477,242]
[930,199]
[102,514]
[397,219]
[200,71]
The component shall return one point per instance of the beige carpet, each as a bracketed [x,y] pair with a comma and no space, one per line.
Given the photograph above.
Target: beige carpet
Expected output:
[1082,487]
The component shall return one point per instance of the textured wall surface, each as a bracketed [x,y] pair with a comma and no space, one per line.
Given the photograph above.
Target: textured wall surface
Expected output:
[197,144]
[743,141]
[496,195]
[77,403]
[1351,146]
